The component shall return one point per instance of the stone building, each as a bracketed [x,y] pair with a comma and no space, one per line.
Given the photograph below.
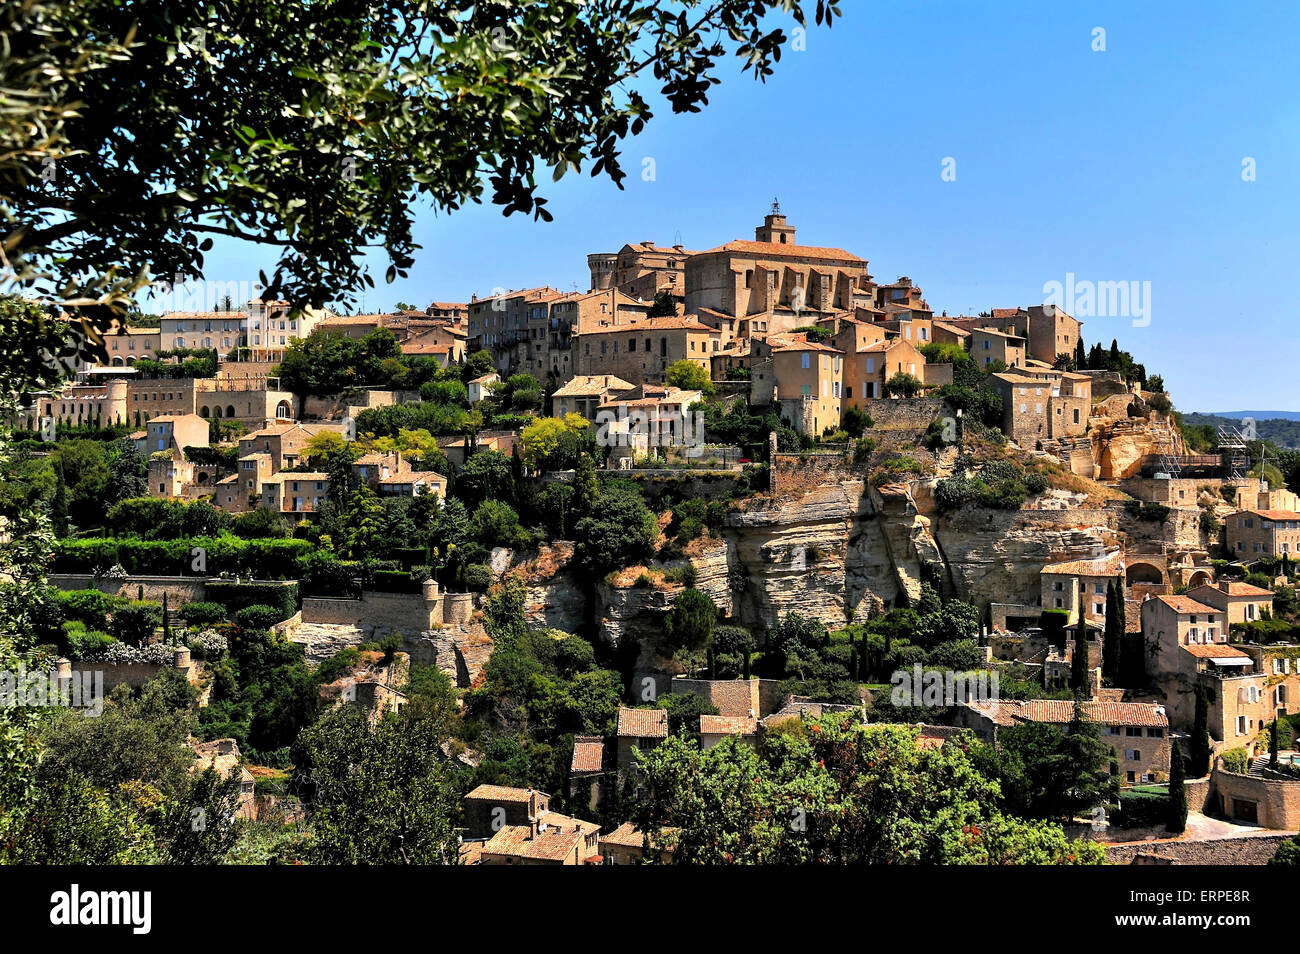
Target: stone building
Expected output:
[1252,534]
[642,270]
[585,393]
[988,345]
[1071,584]
[775,275]
[1239,602]
[1137,731]
[125,344]
[869,368]
[639,730]
[810,383]
[642,350]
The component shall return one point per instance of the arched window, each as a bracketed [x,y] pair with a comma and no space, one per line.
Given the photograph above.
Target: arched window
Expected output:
[230,411]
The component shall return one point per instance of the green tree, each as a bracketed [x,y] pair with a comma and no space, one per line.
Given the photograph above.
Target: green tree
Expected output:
[903,385]
[619,531]
[1079,659]
[127,475]
[1176,821]
[689,376]
[1199,744]
[1272,744]
[663,306]
[1110,647]
[689,624]
[377,793]
[172,126]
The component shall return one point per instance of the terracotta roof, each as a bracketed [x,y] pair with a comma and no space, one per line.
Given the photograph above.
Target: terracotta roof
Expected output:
[1114,713]
[1244,589]
[728,725]
[1110,565]
[518,841]
[1214,651]
[592,384]
[1275,514]
[1185,604]
[778,250]
[800,342]
[627,835]
[1006,312]
[997,333]
[643,723]
[500,793]
[588,754]
[665,323]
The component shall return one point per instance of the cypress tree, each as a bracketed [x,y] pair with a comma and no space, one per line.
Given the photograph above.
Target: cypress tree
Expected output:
[167,626]
[1110,646]
[59,506]
[1177,819]
[853,661]
[744,670]
[1080,356]
[1272,745]
[1199,746]
[1079,665]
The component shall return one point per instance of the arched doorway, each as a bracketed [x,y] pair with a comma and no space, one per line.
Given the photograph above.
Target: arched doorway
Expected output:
[1143,573]
[1199,578]
[283,411]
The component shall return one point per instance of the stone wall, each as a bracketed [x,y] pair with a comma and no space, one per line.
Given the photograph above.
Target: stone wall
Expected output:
[179,589]
[1243,850]
[905,414]
[796,473]
[375,614]
[1276,801]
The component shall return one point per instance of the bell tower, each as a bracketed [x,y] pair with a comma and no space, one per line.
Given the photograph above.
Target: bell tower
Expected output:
[774,228]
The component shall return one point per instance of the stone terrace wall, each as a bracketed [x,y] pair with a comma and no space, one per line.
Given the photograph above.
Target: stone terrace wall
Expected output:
[179,589]
[377,614]
[803,472]
[1243,850]
[905,414]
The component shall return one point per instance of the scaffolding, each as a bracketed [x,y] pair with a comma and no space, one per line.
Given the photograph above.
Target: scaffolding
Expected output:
[1171,462]
[1236,455]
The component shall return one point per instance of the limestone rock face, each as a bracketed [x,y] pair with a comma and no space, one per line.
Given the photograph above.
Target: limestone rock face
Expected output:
[556,598]
[459,651]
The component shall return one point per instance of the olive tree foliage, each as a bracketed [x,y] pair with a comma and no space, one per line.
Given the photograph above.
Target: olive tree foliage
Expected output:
[137,131]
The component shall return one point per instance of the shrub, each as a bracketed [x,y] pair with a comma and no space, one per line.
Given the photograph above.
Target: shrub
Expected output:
[202,614]
[237,596]
[259,616]
[683,574]
[1236,760]
[135,622]
[90,607]
[478,577]
[80,642]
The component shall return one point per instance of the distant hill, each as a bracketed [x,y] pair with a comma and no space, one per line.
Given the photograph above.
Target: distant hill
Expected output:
[1258,415]
[1282,431]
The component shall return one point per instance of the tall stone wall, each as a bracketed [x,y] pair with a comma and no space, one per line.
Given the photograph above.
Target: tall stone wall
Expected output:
[376,614]
[179,589]
[905,414]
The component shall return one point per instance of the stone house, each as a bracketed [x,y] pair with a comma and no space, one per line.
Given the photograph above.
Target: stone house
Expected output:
[626,845]
[869,368]
[478,389]
[988,345]
[715,728]
[774,274]
[175,432]
[125,344]
[1239,602]
[809,383]
[1184,638]
[1071,584]
[641,351]
[588,771]
[639,730]
[293,492]
[285,443]
[585,393]
[489,807]
[1252,534]
[1137,731]
[222,755]
[1026,414]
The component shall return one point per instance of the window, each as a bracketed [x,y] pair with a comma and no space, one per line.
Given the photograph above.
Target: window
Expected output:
[1133,755]
[806,358]
[1241,725]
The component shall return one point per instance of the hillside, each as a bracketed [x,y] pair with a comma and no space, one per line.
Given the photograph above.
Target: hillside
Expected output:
[1283,431]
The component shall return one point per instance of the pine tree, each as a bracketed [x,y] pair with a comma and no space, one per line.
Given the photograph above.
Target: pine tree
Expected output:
[59,505]
[1177,819]
[1199,745]
[1114,635]
[1079,665]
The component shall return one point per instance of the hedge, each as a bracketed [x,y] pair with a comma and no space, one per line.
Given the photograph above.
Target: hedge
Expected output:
[283,597]
[394,581]
[264,558]
[1141,810]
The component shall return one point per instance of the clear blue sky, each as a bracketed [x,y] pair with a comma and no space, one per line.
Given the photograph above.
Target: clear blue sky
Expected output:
[1123,165]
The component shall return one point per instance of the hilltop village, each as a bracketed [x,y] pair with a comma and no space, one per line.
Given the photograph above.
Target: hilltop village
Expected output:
[724,508]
